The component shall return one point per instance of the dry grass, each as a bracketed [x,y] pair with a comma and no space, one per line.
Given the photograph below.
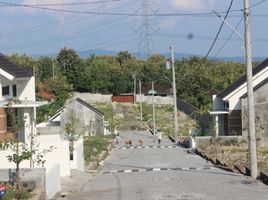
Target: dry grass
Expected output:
[236,155]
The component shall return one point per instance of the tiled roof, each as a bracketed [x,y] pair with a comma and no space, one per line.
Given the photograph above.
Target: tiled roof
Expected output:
[12,68]
[242,80]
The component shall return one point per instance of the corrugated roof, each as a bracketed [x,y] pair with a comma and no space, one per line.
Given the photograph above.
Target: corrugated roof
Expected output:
[12,68]
[242,80]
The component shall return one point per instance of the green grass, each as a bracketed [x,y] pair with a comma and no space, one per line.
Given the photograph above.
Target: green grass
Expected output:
[14,194]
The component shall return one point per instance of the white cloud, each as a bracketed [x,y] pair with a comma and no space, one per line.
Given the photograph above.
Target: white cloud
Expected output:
[192,5]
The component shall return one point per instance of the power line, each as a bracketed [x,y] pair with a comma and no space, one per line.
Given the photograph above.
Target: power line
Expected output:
[61,4]
[77,34]
[204,14]
[53,23]
[218,33]
[256,4]
[227,40]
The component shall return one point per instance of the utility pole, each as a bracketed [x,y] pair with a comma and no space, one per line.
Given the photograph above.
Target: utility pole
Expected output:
[153,109]
[134,91]
[251,115]
[176,129]
[140,101]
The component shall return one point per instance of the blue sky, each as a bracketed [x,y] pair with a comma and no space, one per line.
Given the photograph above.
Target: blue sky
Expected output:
[34,31]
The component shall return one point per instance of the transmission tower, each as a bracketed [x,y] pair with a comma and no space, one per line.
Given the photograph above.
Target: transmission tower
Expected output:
[146,29]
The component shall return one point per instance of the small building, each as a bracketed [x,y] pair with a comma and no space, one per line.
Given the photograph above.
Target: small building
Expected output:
[230,105]
[162,90]
[90,118]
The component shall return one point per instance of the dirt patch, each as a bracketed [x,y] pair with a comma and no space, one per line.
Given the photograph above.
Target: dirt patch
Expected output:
[236,156]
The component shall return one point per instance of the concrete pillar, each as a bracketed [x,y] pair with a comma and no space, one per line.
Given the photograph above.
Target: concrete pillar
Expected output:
[217,125]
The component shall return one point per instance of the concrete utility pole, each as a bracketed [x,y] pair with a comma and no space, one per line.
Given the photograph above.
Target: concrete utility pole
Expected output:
[140,102]
[251,115]
[134,92]
[174,93]
[153,109]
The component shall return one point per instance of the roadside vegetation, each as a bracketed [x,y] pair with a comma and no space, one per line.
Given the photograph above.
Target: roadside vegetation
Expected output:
[96,149]
[12,193]
[236,153]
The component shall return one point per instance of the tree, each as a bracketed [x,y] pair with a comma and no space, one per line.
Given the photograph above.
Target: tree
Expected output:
[73,129]
[25,61]
[61,89]
[123,56]
[72,67]
[45,68]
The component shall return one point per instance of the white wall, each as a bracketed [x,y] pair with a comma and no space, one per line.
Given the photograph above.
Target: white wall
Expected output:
[218,104]
[78,156]
[53,182]
[26,89]
[234,97]
[93,98]
[157,99]
[60,154]
[57,162]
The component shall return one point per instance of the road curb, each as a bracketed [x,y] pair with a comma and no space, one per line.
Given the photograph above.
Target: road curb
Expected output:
[158,169]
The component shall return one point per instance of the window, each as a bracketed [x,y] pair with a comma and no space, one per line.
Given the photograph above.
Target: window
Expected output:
[14,90]
[5,90]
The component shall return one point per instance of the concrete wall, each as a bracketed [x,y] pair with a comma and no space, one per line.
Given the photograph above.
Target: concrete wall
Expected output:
[57,162]
[99,98]
[59,155]
[157,99]
[93,98]
[78,156]
[48,179]
[36,174]
[261,114]
[90,121]
[53,182]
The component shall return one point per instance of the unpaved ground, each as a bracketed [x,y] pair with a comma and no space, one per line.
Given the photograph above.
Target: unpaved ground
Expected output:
[236,154]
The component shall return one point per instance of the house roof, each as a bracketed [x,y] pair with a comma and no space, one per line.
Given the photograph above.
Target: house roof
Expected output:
[12,68]
[89,106]
[242,80]
[257,87]
[43,93]
[58,112]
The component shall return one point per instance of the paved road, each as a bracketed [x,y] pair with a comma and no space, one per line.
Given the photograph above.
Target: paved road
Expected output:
[165,173]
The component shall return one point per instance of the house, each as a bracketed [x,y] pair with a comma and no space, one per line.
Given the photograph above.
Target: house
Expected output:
[90,118]
[230,107]
[42,93]
[16,82]
[90,121]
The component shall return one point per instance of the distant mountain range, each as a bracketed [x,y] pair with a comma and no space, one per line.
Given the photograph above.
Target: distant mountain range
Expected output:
[98,52]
